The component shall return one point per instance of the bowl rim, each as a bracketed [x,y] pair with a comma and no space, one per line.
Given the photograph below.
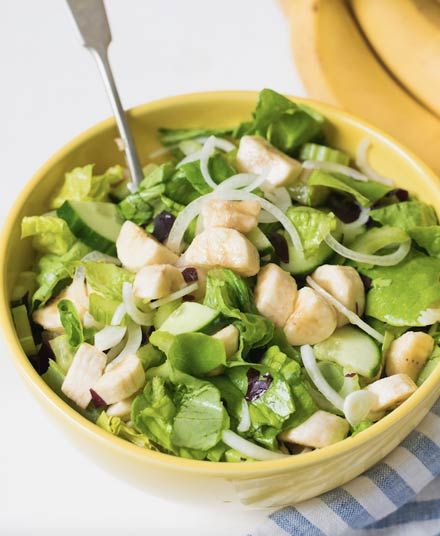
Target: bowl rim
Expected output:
[40,388]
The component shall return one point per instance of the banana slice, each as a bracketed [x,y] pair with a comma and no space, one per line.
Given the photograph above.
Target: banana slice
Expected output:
[86,369]
[121,381]
[239,215]
[121,409]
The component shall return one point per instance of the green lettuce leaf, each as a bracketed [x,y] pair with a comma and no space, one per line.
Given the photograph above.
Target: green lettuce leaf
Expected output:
[228,293]
[219,169]
[71,322]
[365,193]
[200,418]
[285,124]
[107,279]
[64,352]
[401,293]
[81,184]
[50,234]
[119,428]
[153,411]
[406,215]
[102,308]
[274,406]
[361,427]
[313,226]
[428,238]
[172,136]
[196,354]
[150,356]
[55,271]
[279,362]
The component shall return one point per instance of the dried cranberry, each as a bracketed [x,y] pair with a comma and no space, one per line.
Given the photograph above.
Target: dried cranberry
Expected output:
[366,281]
[257,385]
[280,246]
[344,207]
[97,400]
[162,225]
[188,297]
[350,374]
[190,275]
[401,194]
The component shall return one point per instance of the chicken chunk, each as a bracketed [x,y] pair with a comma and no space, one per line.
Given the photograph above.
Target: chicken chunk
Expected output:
[391,391]
[239,215]
[121,409]
[229,336]
[86,369]
[223,247]
[344,284]
[121,380]
[49,318]
[319,430]
[275,294]
[313,319]
[408,353]
[157,281]
[137,249]
[255,155]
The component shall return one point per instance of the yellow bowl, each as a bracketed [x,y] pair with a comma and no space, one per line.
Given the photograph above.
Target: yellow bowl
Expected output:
[260,484]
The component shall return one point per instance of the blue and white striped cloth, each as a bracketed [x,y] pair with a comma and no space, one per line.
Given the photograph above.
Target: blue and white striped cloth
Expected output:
[399,496]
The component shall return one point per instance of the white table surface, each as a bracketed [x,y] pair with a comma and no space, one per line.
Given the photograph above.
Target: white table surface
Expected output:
[49,92]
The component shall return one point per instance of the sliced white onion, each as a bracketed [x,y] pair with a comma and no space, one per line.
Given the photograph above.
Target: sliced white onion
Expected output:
[175,295]
[193,209]
[190,158]
[249,449]
[378,260]
[265,217]
[90,322]
[333,167]
[219,143]
[351,230]
[118,315]
[357,406]
[100,257]
[309,362]
[280,197]
[353,318]
[138,316]
[245,418]
[237,181]
[132,344]
[109,337]
[259,181]
[80,275]
[429,317]
[189,147]
[205,155]
[116,350]
[363,164]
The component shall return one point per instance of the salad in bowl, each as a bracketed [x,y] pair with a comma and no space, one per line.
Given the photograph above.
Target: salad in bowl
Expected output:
[259,295]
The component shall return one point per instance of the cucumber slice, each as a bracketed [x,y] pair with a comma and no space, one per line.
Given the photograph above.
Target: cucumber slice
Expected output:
[353,349]
[23,328]
[96,224]
[164,311]
[189,317]
[300,265]
[322,153]
[260,241]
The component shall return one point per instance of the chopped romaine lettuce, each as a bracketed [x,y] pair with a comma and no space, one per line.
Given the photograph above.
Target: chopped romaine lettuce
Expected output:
[406,215]
[102,308]
[81,184]
[119,428]
[427,237]
[107,279]
[71,322]
[400,294]
[50,234]
[172,136]
[285,124]
[63,350]
[54,271]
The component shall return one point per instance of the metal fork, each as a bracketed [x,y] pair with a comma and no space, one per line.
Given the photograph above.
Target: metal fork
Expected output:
[94,32]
